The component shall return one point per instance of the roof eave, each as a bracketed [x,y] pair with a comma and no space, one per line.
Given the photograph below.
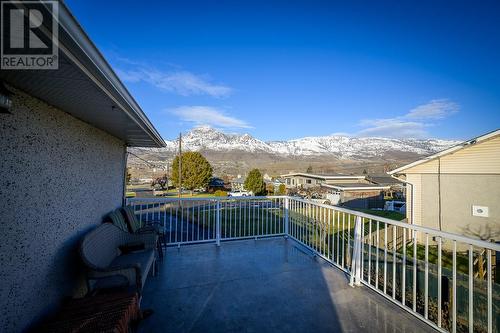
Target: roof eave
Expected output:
[101,72]
[450,150]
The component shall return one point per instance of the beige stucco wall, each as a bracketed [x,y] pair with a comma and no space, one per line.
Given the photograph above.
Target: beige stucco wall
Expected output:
[458,194]
[470,176]
[58,177]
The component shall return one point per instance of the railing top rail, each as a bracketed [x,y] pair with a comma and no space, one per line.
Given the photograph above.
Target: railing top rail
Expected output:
[170,199]
[430,231]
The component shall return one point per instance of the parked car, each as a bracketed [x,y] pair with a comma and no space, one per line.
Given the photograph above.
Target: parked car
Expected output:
[395,206]
[239,194]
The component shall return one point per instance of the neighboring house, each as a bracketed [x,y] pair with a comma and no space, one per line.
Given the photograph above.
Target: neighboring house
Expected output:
[348,190]
[356,195]
[62,169]
[238,183]
[458,189]
[273,185]
[307,180]
[215,184]
[397,188]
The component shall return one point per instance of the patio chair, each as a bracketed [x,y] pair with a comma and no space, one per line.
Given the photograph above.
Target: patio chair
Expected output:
[117,218]
[136,225]
[103,252]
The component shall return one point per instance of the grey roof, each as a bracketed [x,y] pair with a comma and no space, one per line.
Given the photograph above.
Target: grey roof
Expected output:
[384,180]
[355,186]
[86,87]
[322,176]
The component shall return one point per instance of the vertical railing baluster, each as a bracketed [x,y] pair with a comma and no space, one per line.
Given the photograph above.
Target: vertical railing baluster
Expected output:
[426,282]
[348,235]
[170,226]
[338,236]
[370,243]
[394,230]
[385,257]
[414,271]
[471,289]
[490,292]
[403,283]
[343,239]
[439,282]
[328,233]
[362,219]
[376,249]
[217,224]
[454,291]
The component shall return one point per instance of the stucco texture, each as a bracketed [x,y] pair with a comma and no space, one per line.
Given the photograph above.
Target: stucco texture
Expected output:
[59,177]
[458,193]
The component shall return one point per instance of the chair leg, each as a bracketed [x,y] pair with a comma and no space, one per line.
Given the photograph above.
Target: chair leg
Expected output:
[160,250]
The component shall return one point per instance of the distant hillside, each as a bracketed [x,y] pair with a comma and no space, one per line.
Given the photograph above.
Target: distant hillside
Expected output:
[234,153]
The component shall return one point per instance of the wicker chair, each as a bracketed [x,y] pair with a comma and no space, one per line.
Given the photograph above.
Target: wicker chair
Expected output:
[117,217]
[137,226]
[103,250]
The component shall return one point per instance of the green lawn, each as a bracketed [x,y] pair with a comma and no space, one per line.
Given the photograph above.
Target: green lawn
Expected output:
[384,213]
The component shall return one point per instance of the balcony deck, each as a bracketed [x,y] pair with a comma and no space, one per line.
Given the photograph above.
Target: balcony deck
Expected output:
[265,285]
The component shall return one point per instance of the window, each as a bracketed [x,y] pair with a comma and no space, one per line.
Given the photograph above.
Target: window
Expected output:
[308,181]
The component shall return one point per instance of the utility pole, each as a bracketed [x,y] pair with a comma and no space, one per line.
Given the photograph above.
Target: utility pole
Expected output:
[180,164]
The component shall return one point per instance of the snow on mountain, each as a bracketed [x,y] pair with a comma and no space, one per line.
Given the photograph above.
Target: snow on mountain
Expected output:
[343,147]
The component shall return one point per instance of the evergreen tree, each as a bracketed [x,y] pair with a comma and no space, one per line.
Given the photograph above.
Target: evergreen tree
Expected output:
[255,183]
[196,171]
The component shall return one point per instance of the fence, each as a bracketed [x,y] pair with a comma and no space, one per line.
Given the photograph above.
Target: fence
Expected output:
[432,274]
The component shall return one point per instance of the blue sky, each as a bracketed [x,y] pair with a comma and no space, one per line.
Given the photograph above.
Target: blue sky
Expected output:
[289,69]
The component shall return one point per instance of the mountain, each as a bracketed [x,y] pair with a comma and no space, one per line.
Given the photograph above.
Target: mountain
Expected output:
[207,139]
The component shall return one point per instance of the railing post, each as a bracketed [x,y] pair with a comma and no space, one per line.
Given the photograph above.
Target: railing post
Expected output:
[217,223]
[287,218]
[356,256]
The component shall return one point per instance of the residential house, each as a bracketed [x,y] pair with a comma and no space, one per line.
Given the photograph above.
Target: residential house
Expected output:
[215,184]
[307,180]
[347,190]
[397,188]
[238,183]
[458,189]
[63,146]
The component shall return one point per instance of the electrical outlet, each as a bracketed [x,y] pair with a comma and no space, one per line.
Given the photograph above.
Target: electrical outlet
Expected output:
[481,211]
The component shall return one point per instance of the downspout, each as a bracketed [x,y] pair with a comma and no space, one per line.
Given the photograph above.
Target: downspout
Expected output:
[124,187]
[440,216]
[412,196]
[413,233]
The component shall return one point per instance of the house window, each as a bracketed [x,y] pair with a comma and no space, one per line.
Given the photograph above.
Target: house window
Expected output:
[308,181]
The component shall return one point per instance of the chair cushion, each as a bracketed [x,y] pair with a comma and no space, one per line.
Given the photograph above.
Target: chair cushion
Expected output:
[118,220]
[144,258]
[133,223]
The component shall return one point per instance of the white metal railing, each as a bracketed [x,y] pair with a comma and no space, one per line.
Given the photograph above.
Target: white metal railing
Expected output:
[430,273]
[196,220]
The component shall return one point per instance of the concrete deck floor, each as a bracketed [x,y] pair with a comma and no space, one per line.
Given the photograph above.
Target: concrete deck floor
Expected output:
[265,285]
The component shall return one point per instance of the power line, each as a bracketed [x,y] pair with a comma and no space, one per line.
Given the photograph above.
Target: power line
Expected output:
[147,162]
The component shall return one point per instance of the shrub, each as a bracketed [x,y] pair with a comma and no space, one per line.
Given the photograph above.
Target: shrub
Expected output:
[220,193]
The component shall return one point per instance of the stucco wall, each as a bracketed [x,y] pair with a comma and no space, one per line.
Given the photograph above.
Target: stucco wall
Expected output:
[458,194]
[58,177]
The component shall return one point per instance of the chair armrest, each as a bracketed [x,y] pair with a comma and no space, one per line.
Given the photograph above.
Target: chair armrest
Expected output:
[154,223]
[147,229]
[149,239]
